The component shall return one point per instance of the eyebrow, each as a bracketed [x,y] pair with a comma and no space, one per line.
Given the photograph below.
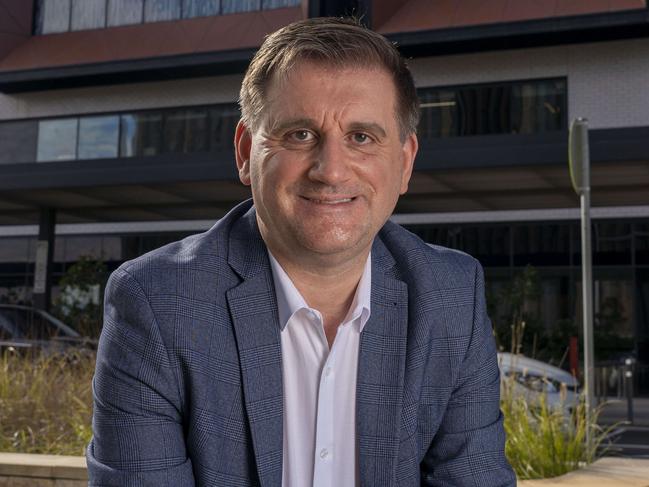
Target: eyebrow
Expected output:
[311,124]
[368,127]
[291,123]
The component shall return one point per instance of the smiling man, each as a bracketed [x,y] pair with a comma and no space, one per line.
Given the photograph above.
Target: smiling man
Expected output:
[304,340]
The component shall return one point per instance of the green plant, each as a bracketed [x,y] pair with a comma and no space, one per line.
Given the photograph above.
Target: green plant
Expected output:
[544,441]
[46,402]
[79,302]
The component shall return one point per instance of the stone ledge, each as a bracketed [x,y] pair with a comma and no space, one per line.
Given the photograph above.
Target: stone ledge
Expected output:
[605,472]
[43,466]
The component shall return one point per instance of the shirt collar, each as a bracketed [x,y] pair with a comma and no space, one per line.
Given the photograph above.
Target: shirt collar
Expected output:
[290,301]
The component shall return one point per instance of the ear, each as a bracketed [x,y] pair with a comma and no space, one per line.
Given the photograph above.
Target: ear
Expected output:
[408,153]
[242,147]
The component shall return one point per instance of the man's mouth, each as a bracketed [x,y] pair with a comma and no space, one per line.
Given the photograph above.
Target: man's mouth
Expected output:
[330,201]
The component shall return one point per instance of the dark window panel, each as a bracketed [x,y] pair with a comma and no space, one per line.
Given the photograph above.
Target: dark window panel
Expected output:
[641,233]
[186,131]
[200,8]
[125,12]
[542,245]
[141,134]
[611,243]
[514,107]
[88,14]
[160,10]
[98,137]
[223,121]
[18,141]
[234,6]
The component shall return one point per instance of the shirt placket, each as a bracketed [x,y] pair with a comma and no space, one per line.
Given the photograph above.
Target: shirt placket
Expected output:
[323,471]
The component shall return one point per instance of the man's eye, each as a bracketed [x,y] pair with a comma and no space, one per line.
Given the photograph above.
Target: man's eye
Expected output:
[360,138]
[301,136]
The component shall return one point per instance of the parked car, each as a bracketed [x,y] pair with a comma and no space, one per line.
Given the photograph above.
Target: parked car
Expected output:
[531,378]
[28,329]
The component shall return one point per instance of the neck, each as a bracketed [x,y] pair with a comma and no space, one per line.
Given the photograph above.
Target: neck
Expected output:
[329,289]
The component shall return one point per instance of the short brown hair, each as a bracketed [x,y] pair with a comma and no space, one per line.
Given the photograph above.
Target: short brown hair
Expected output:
[341,42]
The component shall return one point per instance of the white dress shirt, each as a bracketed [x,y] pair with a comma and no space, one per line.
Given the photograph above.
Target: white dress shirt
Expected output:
[320,448]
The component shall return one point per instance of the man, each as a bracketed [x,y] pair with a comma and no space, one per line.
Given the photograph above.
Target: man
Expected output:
[303,340]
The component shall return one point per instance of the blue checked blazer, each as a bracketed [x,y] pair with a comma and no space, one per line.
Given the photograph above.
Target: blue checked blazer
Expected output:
[188,385]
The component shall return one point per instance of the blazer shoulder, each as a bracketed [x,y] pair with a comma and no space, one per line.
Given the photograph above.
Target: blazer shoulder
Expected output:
[419,257]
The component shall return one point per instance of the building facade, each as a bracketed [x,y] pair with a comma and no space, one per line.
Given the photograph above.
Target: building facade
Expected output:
[117,116]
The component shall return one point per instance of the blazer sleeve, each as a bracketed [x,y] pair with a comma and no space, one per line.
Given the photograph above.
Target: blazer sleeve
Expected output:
[469,448]
[138,437]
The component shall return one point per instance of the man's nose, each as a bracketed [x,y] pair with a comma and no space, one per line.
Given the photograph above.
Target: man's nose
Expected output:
[331,163]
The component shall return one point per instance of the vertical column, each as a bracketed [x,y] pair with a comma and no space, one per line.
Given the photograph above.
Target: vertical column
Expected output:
[44,253]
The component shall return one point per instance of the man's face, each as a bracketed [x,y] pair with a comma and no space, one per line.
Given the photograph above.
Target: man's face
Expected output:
[326,164]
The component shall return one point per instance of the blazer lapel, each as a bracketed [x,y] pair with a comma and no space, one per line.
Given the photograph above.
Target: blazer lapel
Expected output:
[381,366]
[253,307]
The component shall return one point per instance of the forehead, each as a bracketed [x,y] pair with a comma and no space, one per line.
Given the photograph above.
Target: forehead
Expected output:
[317,90]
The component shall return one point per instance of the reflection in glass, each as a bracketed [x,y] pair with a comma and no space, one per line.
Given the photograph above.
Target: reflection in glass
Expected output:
[223,121]
[200,8]
[125,12]
[53,16]
[234,6]
[98,137]
[141,134]
[268,4]
[514,107]
[438,114]
[57,140]
[185,131]
[88,14]
[159,10]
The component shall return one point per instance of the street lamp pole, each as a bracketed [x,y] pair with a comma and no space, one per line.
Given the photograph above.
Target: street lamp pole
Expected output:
[579,160]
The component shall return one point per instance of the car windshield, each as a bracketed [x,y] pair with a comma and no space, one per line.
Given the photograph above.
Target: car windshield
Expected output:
[27,324]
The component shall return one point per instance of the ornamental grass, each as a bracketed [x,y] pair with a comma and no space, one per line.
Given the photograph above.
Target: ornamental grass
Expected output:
[46,402]
[544,441]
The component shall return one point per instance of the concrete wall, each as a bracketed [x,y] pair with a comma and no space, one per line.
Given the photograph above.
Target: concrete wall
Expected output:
[197,91]
[23,470]
[607,83]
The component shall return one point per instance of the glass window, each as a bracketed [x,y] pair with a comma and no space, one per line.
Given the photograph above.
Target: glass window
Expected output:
[538,107]
[542,245]
[234,6]
[268,4]
[518,107]
[641,232]
[185,131]
[18,141]
[141,134]
[223,121]
[88,14]
[98,137]
[200,8]
[125,12]
[57,140]
[438,114]
[159,10]
[53,16]
[611,243]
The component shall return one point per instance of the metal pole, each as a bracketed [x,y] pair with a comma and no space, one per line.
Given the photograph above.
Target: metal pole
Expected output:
[628,378]
[587,290]
[580,175]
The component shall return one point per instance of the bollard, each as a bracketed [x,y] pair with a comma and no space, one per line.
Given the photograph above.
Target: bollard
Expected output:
[628,379]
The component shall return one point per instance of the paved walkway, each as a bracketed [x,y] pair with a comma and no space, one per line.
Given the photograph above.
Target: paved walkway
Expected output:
[605,472]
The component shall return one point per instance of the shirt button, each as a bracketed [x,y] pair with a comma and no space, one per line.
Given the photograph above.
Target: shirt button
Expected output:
[324,453]
[327,371]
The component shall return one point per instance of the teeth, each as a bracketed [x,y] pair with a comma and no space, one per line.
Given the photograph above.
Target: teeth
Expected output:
[332,202]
